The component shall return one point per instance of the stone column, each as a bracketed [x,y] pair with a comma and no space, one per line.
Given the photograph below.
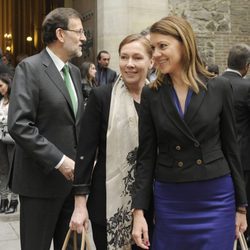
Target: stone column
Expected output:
[119,18]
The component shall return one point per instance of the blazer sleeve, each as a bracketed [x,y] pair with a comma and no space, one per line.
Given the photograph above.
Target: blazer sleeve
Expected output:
[24,103]
[88,143]
[230,146]
[147,151]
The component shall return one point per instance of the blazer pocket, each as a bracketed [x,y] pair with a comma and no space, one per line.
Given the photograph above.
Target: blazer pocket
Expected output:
[165,160]
[212,156]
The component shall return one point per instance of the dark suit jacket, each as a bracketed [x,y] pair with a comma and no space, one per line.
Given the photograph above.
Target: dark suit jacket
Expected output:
[241,96]
[92,136]
[42,122]
[200,147]
[110,75]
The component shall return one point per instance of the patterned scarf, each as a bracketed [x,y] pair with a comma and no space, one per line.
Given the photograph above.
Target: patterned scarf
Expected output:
[122,143]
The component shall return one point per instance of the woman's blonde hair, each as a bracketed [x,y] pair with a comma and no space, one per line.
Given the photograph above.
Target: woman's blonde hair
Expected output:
[193,66]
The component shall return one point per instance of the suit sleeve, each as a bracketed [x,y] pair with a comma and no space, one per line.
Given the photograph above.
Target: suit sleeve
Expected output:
[146,157]
[248,96]
[24,103]
[229,143]
[88,144]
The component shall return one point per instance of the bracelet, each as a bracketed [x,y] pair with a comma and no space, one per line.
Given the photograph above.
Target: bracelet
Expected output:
[241,211]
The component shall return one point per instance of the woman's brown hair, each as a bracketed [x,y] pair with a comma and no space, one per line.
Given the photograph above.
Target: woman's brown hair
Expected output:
[193,66]
[7,79]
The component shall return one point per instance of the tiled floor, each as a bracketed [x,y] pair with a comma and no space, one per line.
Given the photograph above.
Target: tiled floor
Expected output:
[9,232]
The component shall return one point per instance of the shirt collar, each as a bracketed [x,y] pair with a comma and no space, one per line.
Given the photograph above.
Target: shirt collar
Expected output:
[235,71]
[57,61]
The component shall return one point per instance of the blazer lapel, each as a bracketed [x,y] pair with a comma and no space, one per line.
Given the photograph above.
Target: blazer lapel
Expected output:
[195,103]
[172,112]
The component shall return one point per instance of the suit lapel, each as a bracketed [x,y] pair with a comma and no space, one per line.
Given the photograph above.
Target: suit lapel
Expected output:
[55,76]
[57,79]
[172,112]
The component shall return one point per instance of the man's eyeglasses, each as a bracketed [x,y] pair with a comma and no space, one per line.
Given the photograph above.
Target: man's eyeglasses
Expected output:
[79,32]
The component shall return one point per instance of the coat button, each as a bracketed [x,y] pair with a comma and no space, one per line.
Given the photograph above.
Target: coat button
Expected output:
[199,162]
[180,164]
[178,148]
[81,157]
[196,144]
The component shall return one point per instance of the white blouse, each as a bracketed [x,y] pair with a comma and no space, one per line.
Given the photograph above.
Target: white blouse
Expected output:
[3,110]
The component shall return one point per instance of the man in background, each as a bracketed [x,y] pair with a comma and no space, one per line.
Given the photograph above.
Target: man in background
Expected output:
[238,64]
[104,74]
[213,68]
[44,120]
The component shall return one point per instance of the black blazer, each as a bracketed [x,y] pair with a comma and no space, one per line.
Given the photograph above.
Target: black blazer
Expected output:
[241,97]
[200,147]
[89,180]
[43,124]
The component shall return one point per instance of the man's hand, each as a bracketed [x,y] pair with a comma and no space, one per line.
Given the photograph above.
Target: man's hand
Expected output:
[67,168]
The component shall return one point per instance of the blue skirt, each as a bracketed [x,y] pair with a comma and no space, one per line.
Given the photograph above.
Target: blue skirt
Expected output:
[195,215]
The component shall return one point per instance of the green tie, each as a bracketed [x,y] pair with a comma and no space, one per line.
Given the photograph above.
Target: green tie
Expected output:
[70,87]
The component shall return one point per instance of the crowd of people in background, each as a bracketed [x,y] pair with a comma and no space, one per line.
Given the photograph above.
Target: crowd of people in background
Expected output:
[126,149]
[8,199]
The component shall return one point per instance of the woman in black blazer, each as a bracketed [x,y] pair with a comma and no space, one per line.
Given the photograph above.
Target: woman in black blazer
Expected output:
[109,134]
[188,154]
[88,81]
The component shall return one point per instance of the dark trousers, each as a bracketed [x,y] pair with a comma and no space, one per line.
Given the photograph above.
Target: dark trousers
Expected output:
[44,219]
[100,236]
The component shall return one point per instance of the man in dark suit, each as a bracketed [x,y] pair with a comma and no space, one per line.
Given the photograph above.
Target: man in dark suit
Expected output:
[238,64]
[104,74]
[44,120]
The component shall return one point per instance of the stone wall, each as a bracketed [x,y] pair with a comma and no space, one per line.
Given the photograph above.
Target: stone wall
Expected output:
[218,25]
